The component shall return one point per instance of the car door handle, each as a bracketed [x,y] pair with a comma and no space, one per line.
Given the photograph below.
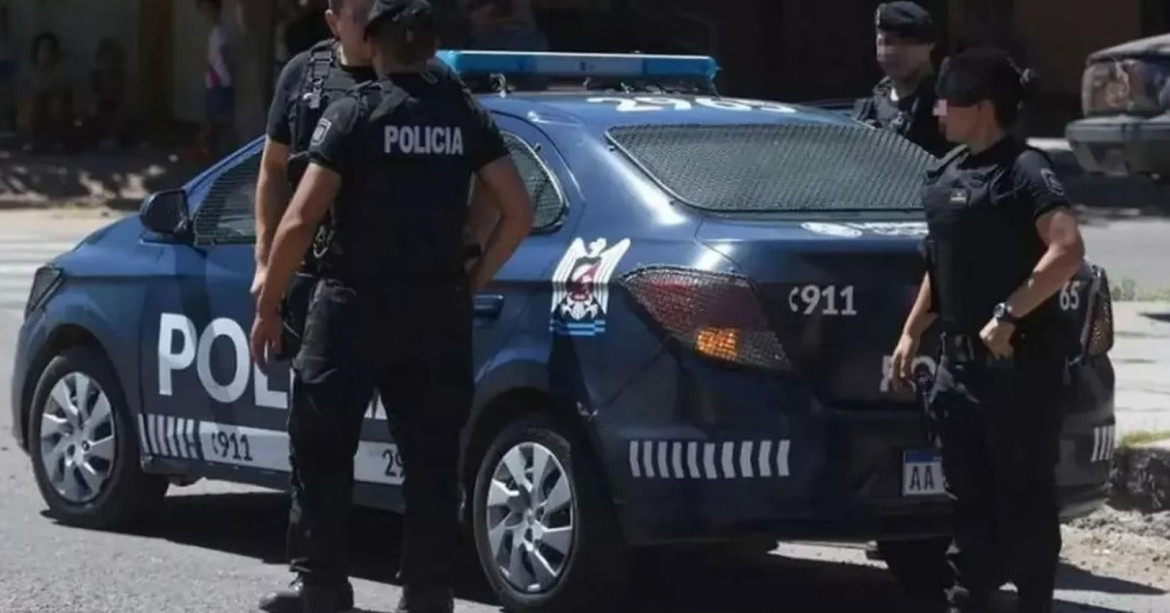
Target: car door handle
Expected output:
[488,306]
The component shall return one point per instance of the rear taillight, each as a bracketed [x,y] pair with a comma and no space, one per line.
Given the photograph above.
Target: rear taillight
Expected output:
[716,315]
[1099,339]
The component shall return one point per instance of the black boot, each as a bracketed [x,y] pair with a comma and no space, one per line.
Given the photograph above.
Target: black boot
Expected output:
[301,598]
[428,601]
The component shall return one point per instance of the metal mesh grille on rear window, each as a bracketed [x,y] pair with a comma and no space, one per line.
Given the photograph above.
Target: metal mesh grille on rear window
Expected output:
[227,214]
[1100,338]
[783,167]
[547,202]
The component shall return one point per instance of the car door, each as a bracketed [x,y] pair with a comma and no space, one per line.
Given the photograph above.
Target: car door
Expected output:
[248,404]
[205,401]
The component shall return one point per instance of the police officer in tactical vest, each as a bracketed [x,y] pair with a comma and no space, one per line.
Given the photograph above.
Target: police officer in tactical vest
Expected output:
[307,84]
[391,164]
[903,101]
[1001,242]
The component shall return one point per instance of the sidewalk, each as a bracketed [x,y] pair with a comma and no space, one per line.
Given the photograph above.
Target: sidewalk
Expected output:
[117,179]
[1141,360]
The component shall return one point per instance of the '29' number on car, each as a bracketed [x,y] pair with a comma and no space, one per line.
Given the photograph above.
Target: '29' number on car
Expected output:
[233,445]
[831,300]
[393,459]
[1070,296]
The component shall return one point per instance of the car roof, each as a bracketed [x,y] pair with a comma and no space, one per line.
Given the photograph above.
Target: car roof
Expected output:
[598,111]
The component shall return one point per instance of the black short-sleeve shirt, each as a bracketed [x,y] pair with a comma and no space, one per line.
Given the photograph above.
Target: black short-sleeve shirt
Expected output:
[981,213]
[407,149]
[331,144]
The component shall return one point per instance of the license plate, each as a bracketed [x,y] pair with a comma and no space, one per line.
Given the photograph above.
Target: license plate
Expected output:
[922,474]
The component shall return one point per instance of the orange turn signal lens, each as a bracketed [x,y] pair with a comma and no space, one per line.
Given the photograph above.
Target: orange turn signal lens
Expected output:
[722,343]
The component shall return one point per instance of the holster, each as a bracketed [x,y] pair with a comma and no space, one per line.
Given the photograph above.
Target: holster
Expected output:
[298,163]
[931,415]
[294,311]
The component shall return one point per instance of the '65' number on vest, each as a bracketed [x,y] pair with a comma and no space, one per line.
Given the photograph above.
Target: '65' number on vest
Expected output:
[1070,296]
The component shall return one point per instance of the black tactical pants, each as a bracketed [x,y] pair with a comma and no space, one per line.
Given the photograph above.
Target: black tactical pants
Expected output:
[412,343]
[1000,437]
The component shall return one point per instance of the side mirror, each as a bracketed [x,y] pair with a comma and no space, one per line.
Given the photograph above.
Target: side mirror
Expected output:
[165,213]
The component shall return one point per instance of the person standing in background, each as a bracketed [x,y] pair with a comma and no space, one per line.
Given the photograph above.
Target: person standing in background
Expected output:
[44,115]
[904,101]
[219,83]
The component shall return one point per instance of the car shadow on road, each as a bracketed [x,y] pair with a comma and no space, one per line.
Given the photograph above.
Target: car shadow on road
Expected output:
[253,524]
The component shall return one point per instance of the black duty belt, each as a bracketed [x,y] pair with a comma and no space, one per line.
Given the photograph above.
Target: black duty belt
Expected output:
[963,348]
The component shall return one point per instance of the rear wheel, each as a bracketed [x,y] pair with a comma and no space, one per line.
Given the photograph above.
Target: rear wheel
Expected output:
[919,564]
[545,531]
[84,447]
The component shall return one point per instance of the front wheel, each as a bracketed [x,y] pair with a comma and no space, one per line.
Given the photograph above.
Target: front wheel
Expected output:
[84,445]
[545,531]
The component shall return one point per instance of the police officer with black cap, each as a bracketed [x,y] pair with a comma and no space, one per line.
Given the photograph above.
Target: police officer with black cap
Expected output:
[904,100]
[392,163]
[1001,242]
[306,87]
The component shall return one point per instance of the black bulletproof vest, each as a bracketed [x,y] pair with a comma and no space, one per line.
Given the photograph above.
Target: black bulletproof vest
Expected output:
[403,203]
[982,243]
[912,118]
[323,81]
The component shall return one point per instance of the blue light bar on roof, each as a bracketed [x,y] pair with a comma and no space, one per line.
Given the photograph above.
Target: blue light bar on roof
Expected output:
[583,65]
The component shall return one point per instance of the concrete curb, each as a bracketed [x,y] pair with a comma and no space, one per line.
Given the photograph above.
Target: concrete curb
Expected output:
[1140,479]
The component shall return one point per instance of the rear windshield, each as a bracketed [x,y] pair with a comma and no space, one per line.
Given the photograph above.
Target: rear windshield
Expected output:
[779,168]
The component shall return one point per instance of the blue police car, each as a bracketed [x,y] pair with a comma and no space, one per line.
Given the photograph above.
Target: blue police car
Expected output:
[691,347]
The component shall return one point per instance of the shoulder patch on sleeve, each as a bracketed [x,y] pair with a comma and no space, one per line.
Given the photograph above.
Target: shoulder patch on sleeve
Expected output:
[321,131]
[1052,181]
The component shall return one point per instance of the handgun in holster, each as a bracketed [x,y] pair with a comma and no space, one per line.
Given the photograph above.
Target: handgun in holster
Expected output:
[932,416]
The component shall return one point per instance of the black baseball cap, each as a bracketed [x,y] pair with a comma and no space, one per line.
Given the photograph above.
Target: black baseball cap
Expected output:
[979,73]
[396,10]
[906,19]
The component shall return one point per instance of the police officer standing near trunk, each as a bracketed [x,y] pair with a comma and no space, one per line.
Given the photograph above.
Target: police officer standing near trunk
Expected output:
[1001,242]
[392,310]
[904,100]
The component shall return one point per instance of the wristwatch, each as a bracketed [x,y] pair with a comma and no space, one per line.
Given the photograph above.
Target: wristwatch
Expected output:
[1003,312]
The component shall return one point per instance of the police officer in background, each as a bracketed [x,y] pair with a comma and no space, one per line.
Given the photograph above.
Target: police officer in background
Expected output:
[1001,242]
[307,84]
[393,308]
[904,100]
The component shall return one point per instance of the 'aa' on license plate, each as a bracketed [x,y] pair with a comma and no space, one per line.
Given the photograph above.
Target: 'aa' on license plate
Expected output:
[922,474]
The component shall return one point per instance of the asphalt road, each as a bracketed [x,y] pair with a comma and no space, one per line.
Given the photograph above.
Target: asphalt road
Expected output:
[217,547]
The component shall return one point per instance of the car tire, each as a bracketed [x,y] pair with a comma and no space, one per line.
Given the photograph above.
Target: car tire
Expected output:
[918,564]
[593,570]
[124,494]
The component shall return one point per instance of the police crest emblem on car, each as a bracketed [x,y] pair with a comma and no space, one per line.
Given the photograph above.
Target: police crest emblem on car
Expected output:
[581,287]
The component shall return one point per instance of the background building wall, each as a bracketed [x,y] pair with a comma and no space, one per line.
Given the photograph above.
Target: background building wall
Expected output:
[80,25]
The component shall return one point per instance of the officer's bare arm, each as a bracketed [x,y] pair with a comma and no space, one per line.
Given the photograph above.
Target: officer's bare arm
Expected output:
[1066,251]
[505,190]
[484,214]
[309,204]
[921,315]
[272,195]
